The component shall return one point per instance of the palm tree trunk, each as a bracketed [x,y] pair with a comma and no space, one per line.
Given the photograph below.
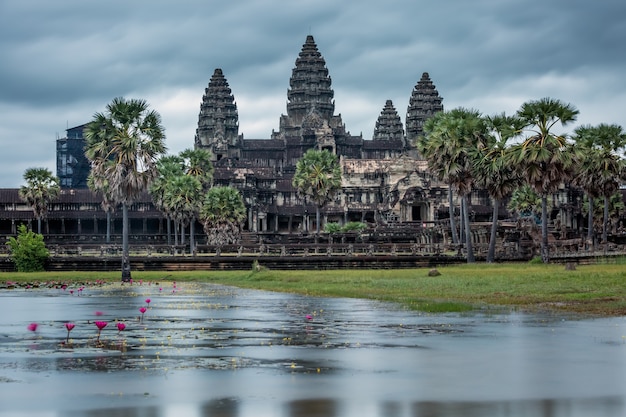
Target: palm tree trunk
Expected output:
[39,225]
[125,252]
[468,232]
[175,232]
[455,238]
[605,222]
[545,251]
[317,220]
[491,254]
[192,231]
[182,234]
[168,220]
[590,222]
[108,234]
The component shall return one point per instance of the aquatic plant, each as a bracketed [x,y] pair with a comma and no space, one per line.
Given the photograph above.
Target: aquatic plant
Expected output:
[69,327]
[142,310]
[32,327]
[100,325]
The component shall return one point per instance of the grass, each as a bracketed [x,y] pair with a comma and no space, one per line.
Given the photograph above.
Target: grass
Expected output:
[590,289]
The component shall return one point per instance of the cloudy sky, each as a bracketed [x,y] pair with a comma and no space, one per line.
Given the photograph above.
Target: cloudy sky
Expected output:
[63,60]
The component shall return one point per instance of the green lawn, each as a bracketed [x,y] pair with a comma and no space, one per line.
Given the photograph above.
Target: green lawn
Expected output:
[590,289]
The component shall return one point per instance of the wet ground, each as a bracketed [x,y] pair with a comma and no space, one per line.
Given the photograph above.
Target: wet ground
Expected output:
[204,350]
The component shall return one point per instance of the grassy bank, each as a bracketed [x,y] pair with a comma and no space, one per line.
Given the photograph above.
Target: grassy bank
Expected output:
[590,289]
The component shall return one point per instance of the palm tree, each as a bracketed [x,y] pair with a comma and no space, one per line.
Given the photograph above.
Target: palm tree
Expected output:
[493,171]
[41,188]
[457,136]
[198,165]
[601,167]
[123,144]
[544,158]
[525,202]
[431,147]
[168,167]
[222,213]
[317,178]
[182,198]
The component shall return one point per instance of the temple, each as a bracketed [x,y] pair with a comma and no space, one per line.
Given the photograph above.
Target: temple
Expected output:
[383,177]
[385,182]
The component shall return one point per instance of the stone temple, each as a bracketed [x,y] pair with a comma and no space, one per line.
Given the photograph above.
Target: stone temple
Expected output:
[384,180]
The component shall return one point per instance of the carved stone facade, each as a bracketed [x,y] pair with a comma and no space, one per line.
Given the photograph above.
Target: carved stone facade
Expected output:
[384,180]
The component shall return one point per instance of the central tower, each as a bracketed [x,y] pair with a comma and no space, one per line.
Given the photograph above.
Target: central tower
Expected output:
[310,96]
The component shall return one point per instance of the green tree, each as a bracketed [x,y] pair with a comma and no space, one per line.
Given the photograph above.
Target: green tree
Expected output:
[432,147]
[41,188]
[317,179]
[221,214]
[123,144]
[168,167]
[544,158]
[197,165]
[493,171]
[601,167]
[525,202]
[453,140]
[182,198]
[28,250]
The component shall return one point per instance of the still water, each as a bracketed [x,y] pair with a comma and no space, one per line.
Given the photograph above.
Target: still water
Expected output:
[201,350]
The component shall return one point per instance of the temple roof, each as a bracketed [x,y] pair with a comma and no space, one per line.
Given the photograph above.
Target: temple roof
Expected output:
[389,125]
[310,85]
[424,102]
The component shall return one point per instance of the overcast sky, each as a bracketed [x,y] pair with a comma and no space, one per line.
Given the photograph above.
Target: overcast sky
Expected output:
[63,60]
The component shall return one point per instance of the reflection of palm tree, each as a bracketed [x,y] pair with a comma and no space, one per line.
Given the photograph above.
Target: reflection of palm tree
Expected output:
[544,158]
[600,166]
[123,144]
[41,188]
[318,178]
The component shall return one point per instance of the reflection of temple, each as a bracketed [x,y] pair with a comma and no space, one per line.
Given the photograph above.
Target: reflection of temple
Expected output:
[382,178]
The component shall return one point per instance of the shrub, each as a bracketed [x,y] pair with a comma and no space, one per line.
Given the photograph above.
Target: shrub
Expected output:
[354,227]
[28,251]
[332,228]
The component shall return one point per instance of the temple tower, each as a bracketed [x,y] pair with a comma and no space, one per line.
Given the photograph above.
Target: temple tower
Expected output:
[389,125]
[310,96]
[218,122]
[424,102]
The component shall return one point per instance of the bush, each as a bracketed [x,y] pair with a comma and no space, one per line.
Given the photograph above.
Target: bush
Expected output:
[28,251]
[332,228]
[354,227]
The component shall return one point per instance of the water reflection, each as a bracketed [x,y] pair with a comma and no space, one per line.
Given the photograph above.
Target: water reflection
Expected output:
[215,351]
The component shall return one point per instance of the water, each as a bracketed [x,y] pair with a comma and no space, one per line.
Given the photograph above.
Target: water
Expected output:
[205,350]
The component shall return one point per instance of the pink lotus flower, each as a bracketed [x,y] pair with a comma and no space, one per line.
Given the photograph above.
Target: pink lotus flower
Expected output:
[309,317]
[148,300]
[99,313]
[69,327]
[142,310]
[32,327]
[101,325]
[120,326]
